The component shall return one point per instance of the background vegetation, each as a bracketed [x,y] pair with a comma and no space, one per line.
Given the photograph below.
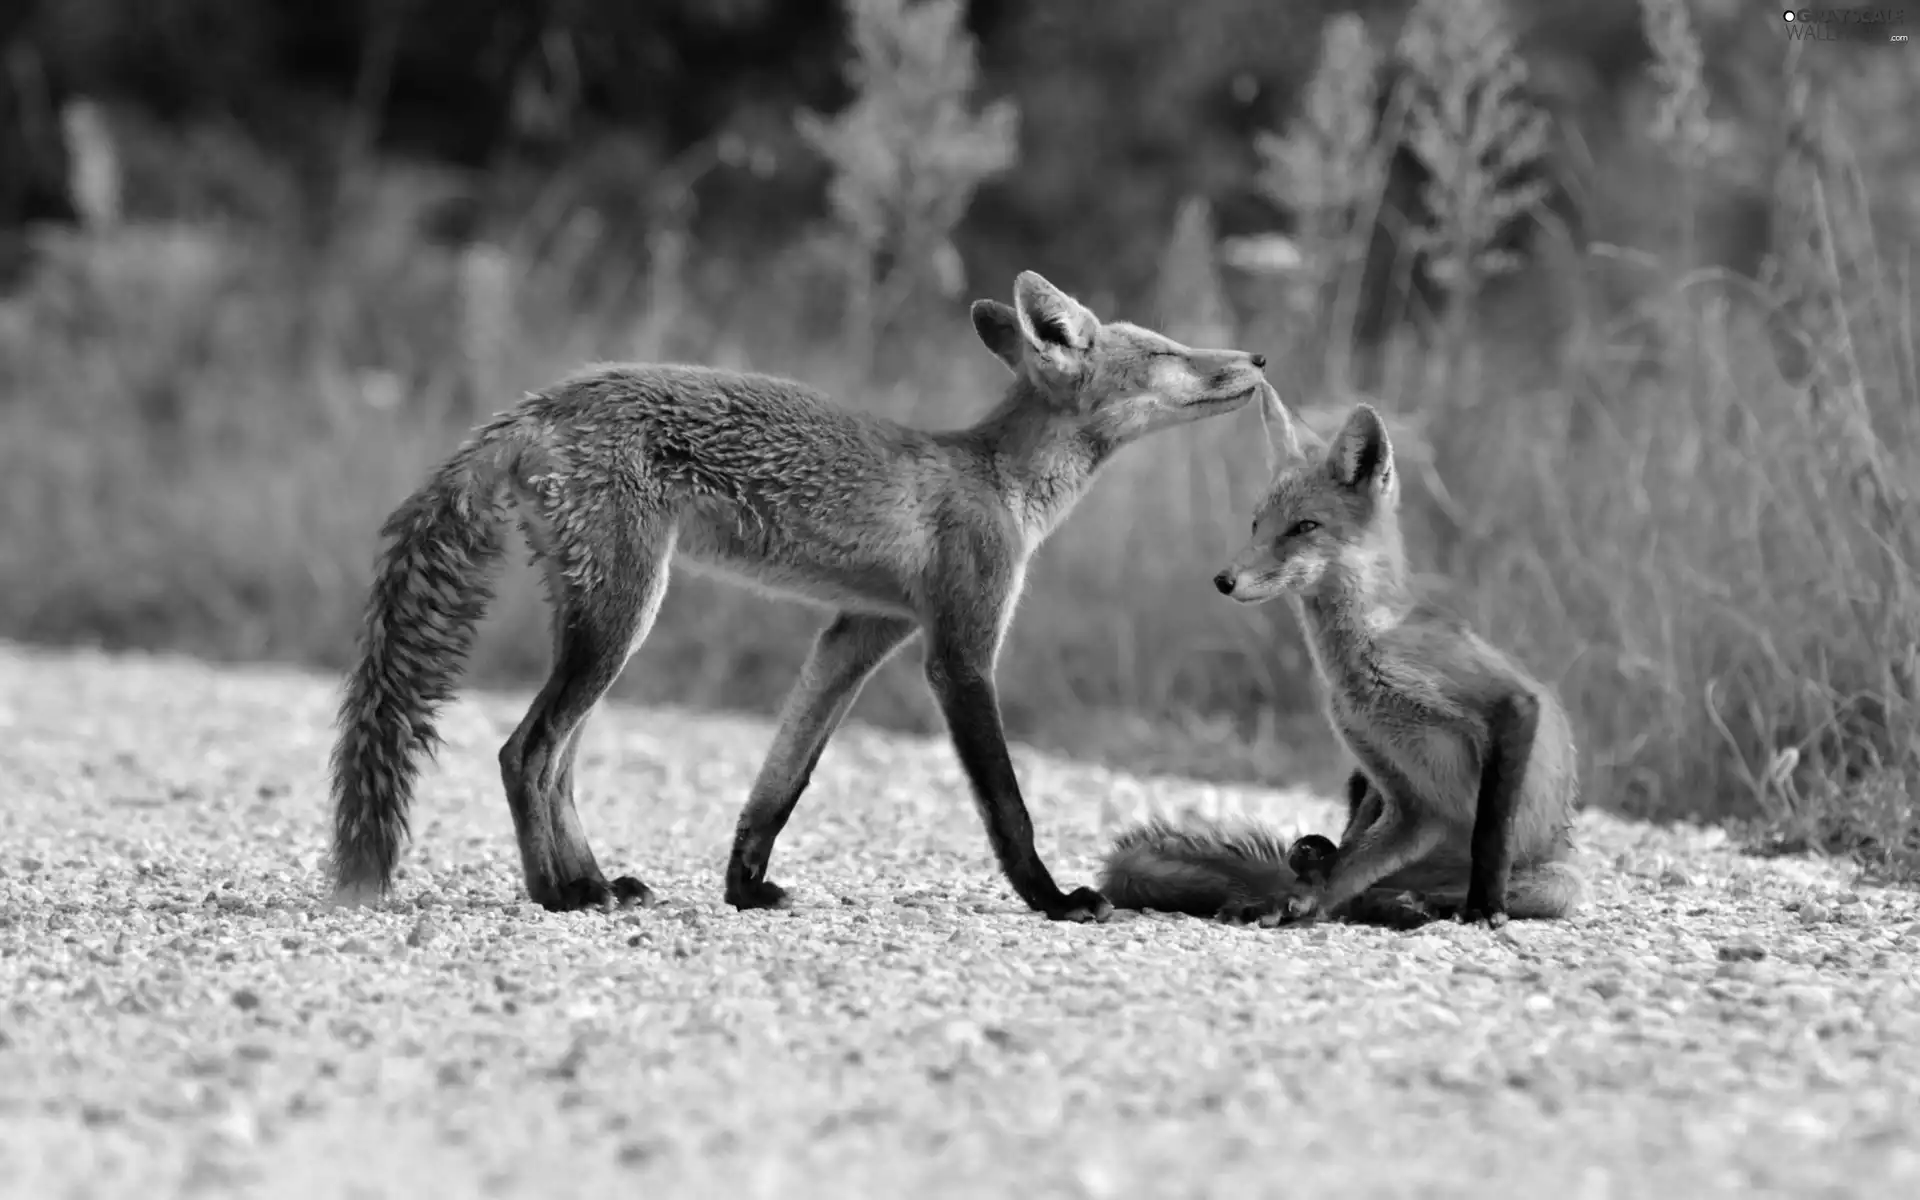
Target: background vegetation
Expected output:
[1634,283]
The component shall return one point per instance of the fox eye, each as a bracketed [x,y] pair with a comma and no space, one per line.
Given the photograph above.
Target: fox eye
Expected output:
[1302,527]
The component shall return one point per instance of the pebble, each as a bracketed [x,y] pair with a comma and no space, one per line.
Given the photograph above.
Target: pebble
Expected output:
[906,1022]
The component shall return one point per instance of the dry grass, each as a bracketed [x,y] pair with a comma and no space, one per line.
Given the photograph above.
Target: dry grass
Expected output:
[1701,527]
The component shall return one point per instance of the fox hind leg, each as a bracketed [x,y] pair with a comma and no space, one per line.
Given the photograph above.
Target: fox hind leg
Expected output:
[600,617]
[1399,838]
[845,655]
[626,890]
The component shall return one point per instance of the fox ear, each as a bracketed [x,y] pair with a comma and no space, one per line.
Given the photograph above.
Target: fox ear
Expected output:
[1054,323]
[1361,455]
[999,328]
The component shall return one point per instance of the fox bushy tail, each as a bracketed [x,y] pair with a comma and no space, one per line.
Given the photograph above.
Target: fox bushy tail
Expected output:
[431,587]
[1194,866]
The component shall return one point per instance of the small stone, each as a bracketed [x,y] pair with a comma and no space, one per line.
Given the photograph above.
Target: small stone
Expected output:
[1807,997]
[1812,912]
[246,999]
[237,1126]
[96,1115]
[1674,878]
[423,932]
[634,1154]
[1742,950]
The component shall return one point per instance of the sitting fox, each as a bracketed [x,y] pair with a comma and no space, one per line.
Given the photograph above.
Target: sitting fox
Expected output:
[896,530]
[1467,782]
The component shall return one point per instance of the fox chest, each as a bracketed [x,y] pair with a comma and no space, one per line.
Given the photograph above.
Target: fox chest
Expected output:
[1404,746]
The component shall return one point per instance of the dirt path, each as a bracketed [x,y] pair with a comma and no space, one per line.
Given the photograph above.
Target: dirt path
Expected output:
[178,1015]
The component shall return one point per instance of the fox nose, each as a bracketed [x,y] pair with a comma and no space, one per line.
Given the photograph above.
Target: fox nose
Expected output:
[1223,582]
[1259,364]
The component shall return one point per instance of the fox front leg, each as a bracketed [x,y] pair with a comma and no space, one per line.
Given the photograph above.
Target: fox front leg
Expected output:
[1515,719]
[961,680]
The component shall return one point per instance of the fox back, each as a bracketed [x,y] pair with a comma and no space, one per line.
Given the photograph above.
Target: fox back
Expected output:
[770,482]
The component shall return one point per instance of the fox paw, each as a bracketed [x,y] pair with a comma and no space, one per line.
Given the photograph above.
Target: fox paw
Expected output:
[1311,858]
[1265,912]
[1484,915]
[1288,908]
[1406,911]
[1304,904]
[760,893]
[1080,905]
[595,892]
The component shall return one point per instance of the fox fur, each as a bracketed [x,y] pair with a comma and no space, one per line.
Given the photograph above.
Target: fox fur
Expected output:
[617,470]
[1467,780]
[1230,870]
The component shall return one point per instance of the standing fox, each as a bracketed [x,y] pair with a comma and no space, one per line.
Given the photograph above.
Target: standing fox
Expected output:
[897,530]
[1467,779]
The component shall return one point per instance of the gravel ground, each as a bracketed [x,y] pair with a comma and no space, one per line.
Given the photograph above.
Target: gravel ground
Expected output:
[179,1014]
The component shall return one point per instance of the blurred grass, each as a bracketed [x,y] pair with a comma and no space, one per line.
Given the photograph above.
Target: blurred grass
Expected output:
[1700,524]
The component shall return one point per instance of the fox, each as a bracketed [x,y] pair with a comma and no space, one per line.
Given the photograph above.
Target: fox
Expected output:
[617,470]
[1463,798]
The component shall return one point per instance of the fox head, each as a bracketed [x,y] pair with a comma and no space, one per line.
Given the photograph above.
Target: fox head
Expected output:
[1119,380]
[1330,510]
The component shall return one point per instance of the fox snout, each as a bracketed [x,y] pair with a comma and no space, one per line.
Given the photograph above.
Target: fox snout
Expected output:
[1249,587]
[1242,586]
[1257,576]
[1227,366]
[1227,374]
